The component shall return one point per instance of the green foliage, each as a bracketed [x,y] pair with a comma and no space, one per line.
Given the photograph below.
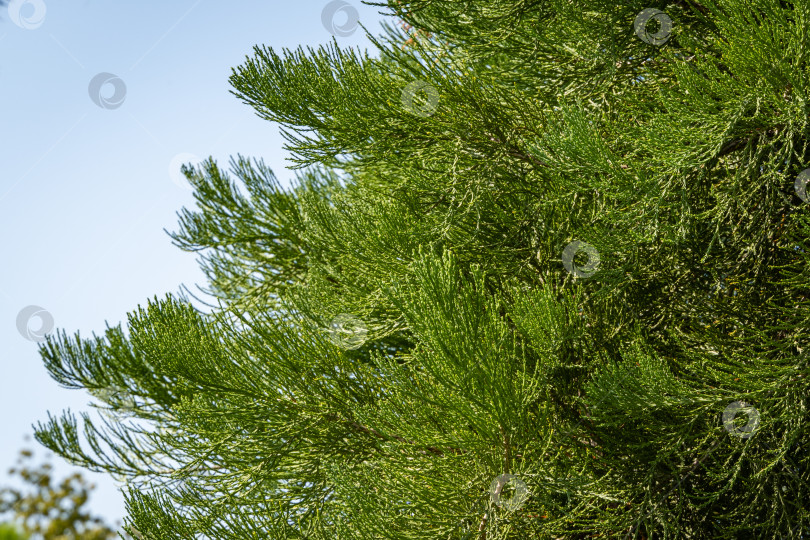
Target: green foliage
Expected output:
[398,346]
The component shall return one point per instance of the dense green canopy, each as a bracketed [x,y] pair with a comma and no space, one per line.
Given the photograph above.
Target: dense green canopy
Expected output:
[542,274]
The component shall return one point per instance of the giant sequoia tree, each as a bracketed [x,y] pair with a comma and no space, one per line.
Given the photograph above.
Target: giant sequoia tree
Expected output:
[542,274]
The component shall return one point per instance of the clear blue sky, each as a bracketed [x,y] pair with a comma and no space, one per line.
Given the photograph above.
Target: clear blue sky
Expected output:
[85,192]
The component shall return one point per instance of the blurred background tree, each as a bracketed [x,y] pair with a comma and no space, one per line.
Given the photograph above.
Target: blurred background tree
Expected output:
[47,508]
[9,531]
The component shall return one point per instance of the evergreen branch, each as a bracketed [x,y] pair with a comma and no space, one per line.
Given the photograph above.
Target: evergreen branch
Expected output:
[444,232]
